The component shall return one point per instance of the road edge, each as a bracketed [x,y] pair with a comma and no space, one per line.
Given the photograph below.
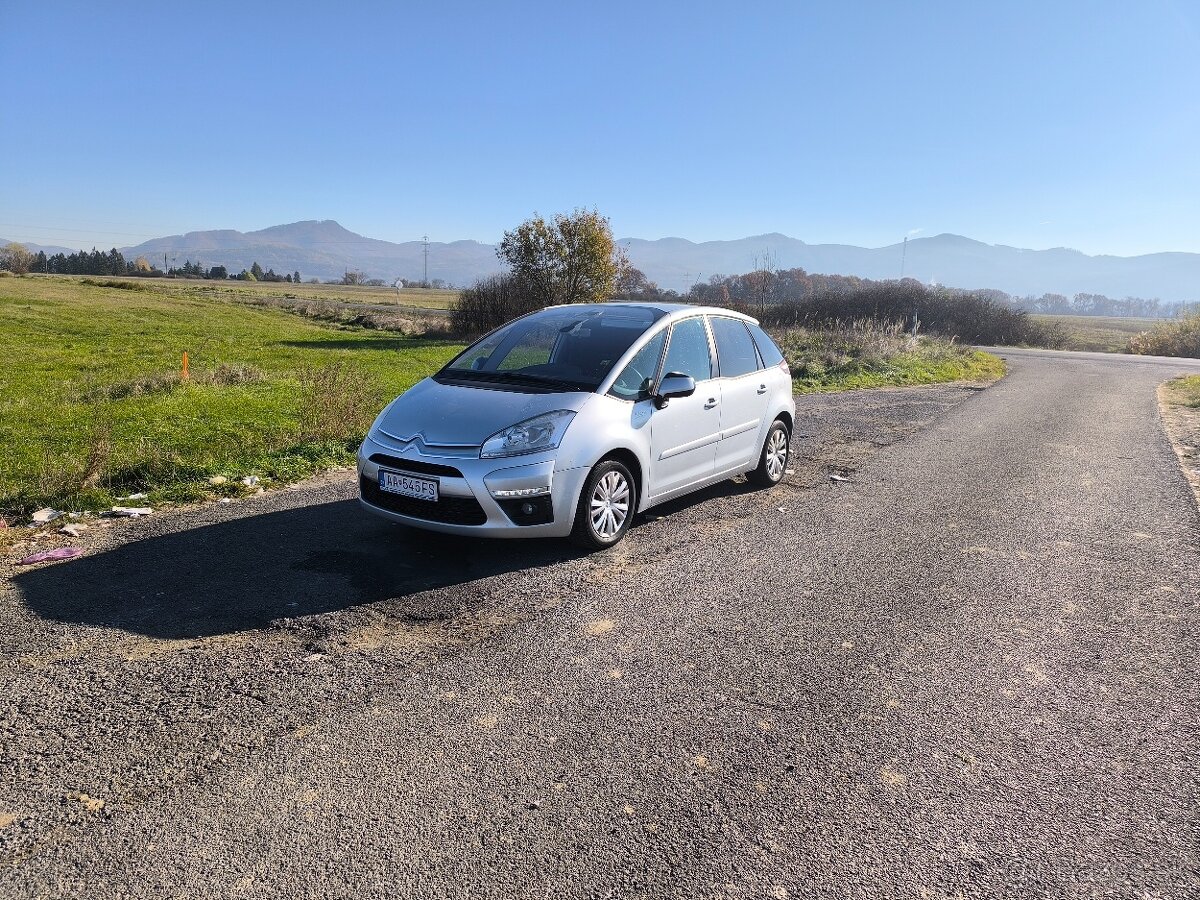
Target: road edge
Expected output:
[1182,426]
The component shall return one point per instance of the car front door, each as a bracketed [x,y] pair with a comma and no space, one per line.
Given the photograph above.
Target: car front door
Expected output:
[684,433]
[745,394]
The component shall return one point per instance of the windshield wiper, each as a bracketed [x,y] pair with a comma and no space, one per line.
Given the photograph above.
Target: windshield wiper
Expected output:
[508,377]
[540,379]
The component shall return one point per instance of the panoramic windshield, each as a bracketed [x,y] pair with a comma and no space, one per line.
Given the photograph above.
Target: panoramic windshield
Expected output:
[568,348]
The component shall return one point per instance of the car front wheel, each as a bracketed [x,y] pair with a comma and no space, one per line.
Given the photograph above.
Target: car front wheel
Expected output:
[606,506]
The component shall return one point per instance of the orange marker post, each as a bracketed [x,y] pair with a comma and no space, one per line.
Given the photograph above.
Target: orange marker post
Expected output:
[184,374]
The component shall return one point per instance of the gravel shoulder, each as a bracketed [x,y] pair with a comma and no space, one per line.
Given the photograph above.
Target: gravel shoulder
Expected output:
[1182,423]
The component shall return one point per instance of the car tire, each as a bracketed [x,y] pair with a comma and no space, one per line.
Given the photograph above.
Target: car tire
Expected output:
[776,451]
[606,507]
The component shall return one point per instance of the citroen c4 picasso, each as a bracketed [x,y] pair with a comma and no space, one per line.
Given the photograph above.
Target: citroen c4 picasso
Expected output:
[570,420]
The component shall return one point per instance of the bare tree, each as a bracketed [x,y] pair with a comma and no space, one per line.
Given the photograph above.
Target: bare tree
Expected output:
[16,259]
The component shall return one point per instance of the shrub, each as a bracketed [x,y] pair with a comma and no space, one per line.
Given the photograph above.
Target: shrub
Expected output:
[870,353]
[964,315]
[489,303]
[120,285]
[1178,338]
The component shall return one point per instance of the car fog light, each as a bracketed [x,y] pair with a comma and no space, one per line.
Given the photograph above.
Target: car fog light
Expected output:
[527,509]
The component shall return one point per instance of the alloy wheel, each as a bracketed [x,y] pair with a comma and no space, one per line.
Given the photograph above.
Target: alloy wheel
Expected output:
[609,504]
[777,453]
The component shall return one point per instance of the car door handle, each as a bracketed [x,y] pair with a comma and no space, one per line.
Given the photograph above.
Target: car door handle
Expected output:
[712,401]
[762,388]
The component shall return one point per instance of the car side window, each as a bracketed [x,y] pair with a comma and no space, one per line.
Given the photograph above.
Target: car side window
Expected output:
[735,347]
[766,347]
[688,352]
[637,378]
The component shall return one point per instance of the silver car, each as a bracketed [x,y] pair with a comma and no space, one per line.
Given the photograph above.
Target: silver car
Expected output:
[568,421]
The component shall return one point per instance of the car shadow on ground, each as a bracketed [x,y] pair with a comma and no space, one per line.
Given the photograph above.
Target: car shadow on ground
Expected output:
[245,573]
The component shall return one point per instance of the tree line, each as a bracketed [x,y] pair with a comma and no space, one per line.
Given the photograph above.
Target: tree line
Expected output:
[17,259]
[763,288]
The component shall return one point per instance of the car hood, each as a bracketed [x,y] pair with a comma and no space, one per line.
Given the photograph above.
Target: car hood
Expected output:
[456,416]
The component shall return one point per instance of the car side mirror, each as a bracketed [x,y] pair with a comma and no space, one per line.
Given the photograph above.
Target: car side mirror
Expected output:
[674,385]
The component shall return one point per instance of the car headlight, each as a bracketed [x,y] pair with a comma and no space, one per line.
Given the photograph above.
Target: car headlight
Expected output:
[542,432]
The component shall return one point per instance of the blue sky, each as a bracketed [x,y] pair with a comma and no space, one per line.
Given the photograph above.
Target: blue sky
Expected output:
[1032,124]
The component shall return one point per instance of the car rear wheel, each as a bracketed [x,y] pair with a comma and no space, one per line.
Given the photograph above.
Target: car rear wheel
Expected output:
[606,506]
[772,464]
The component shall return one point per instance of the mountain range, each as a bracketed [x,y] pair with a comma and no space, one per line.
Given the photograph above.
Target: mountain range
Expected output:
[324,249]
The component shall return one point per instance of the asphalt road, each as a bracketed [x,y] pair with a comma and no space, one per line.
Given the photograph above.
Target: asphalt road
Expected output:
[968,671]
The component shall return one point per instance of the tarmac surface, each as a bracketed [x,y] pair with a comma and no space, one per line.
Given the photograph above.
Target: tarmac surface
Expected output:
[970,670]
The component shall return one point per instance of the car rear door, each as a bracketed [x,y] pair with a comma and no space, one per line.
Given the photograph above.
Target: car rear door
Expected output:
[745,394]
[684,433]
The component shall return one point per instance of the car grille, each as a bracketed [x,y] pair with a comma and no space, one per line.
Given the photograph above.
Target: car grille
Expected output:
[415,465]
[449,510]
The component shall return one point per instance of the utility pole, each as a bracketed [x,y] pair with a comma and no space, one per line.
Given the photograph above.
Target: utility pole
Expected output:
[903,257]
[425,275]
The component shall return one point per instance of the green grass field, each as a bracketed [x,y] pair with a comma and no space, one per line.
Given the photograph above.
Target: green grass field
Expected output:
[92,408]
[1107,334]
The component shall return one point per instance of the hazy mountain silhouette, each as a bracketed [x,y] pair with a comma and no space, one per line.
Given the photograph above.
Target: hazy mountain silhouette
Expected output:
[324,249]
[48,249]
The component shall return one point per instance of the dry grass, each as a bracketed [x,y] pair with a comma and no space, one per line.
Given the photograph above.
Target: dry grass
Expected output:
[335,400]
[400,320]
[1180,337]
[868,353]
[1104,334]
[223,375]
[1179,402]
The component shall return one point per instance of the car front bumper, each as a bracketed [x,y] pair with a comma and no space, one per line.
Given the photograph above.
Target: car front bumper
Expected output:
[481,497]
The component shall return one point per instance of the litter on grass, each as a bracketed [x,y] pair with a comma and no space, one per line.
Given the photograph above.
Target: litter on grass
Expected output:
[49,555]
[250,480]
[138,496]
[73,530]
[45,516]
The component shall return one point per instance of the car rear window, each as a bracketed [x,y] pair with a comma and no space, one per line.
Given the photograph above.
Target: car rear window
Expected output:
[766,347]
[735,348]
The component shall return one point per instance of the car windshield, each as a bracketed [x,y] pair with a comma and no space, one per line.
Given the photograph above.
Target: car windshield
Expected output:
[566,348]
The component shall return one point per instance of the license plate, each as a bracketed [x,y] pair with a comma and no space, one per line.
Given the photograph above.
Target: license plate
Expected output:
[407,486]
